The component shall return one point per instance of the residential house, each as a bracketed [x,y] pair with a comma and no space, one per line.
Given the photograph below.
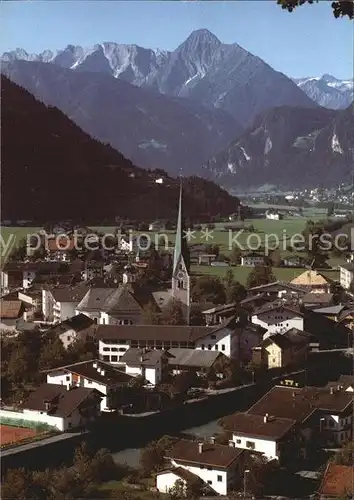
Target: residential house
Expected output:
[157,225]
[219,314]
[270,435]
[324,415]
[331,312]
[93,269]
[60,248]
[150,364]
[21,275]
[346,276]
[111,306]
[79,327]
[273,215]
[11,314]
[32,298]
[278,317]
[313,281]
[218,466]
[254,301]
[278,289]
[253,259]
[59,407]
[317,300]
[284,349]
[337,482]
[346,317]
[344,383]
[94,374]
[206,259]
[293,260]
[196,361]
[59,303]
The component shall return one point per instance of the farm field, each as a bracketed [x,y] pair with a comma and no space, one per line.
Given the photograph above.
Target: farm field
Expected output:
[11,238]
[241,273]
[11,434]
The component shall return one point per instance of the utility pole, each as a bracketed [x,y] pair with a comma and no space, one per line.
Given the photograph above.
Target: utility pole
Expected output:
[245,483]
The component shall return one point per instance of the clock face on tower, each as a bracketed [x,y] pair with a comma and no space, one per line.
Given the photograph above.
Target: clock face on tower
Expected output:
[180,275]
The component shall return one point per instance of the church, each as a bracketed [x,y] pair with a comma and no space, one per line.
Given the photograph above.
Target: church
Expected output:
[180,289]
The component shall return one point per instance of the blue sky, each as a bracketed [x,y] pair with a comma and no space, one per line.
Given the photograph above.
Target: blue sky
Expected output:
[308,42]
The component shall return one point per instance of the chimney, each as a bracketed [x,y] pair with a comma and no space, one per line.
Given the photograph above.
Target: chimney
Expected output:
[265,418]
[200,448]
[103,372]
[212,440]
[231,443]
[339,387]
[95,364]
[331,390]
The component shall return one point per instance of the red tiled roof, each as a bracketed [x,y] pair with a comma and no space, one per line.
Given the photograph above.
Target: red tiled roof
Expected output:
[10,309]
[337,481]
[216,455]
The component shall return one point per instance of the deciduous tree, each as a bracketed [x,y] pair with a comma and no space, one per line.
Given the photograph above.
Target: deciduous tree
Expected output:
[341,8]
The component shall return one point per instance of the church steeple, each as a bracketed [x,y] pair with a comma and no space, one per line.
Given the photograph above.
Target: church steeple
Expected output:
[180,274]
[181,246]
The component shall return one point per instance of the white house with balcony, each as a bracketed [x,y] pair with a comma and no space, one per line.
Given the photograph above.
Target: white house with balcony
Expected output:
[278,318]
[59,303]
[261,433]
[95,374]
[218,467]
[58,406]
[346,275]
[149,364]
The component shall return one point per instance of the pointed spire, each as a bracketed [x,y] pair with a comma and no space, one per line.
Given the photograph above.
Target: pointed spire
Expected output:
[179,231]
[181,246]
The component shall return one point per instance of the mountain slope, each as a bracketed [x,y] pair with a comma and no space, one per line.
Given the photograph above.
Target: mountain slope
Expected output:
[150,129]
[328,91]
[289,147]
[52,170]
[217,75]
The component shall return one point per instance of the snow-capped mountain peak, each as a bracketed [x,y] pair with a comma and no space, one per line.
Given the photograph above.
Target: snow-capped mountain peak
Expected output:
[327,90]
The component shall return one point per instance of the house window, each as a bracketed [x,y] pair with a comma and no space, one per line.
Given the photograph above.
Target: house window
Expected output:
[122,349]
[210,482]
[250,444]
[209,347]
[89,381]
[203,347]
[105,349]
[106,358]
[223,347]
[67,378]
[68,338]
[238,441]
[219,479]
[114,349]
[114,359]
[216,347]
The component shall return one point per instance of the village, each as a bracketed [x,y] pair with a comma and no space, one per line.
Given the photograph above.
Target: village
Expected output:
[90,337]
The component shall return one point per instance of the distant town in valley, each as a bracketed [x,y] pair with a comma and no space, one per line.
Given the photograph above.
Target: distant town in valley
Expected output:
[176,263]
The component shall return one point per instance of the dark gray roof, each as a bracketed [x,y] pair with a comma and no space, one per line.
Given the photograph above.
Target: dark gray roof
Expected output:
[158,332]
[62,401]
[111,376]
[193,357]
[110,300]
[142,357]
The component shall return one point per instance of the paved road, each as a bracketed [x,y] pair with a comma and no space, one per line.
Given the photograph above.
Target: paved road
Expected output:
[42,442]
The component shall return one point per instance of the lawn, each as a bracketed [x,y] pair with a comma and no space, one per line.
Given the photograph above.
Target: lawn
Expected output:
[11,237]
[241,273]
[115,487]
